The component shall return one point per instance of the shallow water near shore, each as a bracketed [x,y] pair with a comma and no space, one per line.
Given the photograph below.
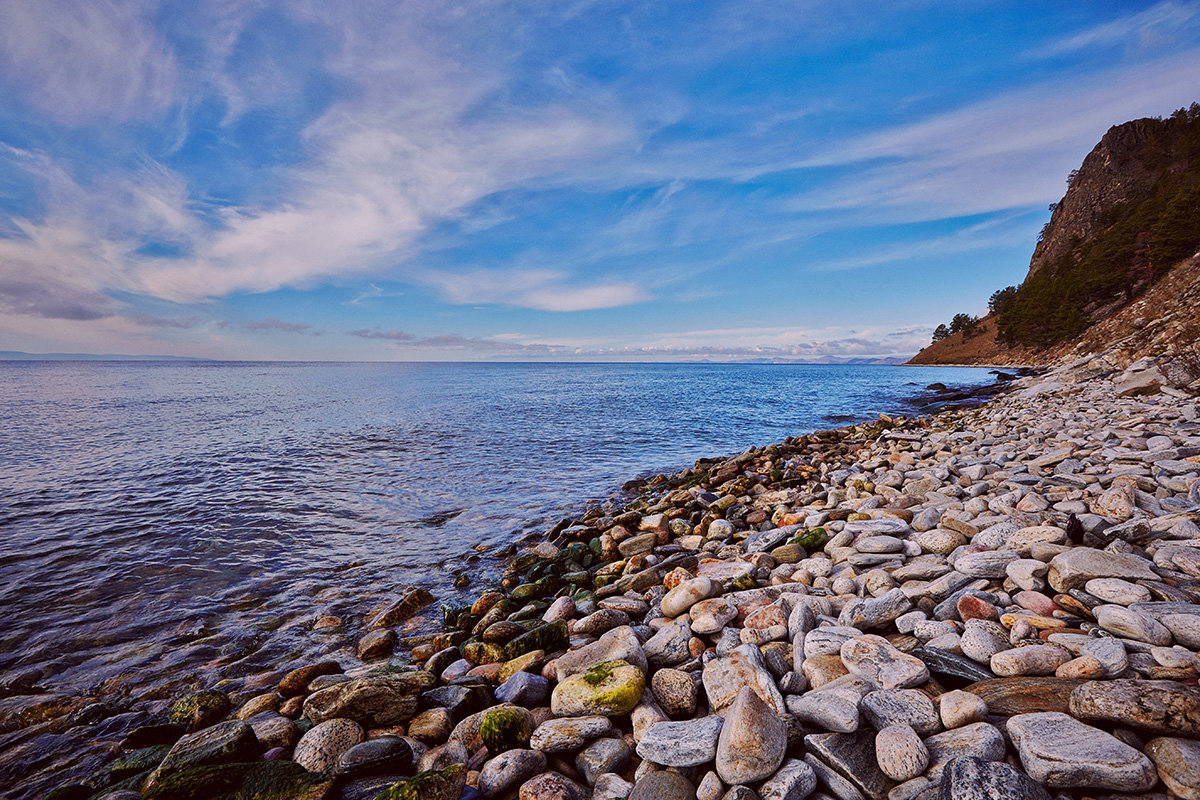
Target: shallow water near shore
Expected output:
[168,525]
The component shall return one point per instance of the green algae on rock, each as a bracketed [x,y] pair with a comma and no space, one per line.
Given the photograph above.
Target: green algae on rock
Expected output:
[505,729]
[608,689]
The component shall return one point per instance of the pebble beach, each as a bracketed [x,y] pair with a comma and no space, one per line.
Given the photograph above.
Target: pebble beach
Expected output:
[1000,601]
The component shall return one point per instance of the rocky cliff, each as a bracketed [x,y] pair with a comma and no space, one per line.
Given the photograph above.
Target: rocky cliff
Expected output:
[1129,219]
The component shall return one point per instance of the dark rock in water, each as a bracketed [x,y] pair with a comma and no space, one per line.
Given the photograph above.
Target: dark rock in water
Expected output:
[936,387]
[296,682]
[446,784]
[548,637]
[373,701]
[386,755]
[200,709]
[1025,694]
[376,645]
[71,791]
[224,743]
[150,735]
[128,765]
[944,662]
[412,601]
[524,689]
[663,786]
[970,778]
[278,780]
[366,788]
[459,700]
[852,755]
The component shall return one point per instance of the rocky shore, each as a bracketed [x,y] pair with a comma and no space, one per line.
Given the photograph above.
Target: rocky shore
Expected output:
[1001,601]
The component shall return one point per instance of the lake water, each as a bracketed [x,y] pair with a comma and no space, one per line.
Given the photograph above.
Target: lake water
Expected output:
[166,526]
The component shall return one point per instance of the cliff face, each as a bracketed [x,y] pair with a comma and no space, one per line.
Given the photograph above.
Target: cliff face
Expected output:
[1116,171]
[1131,213]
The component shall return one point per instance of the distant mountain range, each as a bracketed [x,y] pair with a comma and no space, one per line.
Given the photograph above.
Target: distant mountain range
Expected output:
[17,355]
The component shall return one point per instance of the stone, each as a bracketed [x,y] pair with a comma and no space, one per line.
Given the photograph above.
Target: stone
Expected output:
[376,644]
[877,612]
[509,769]
[675,691]
[1028,573]
[223,743]
[266,780]
[1185,628]
[431,727]
[874,660]
[795,780]
[551,786]
[601,756]
[611,786]
[1162,707]
[524,689]
[1010,696]
[609,689]
[969,778]
[979,739]
[662,786]
[1131,624]
[681,744]
[1075,567]
[385,755]
[959,708]
[669,646]
[752,741]
[852,755]
[710,616]
[619,644]
[505,728]
[986,564]
[725,676]
[687,594]
[408,604]
[900,752]
[1036,659]
[1063,752]
[982,639]
[832,709]
[1083,667]
[443,757]
[1109,652]
[1116,590]
[199,709]
[567,733]
[1178,764]
[373,701]
[885,707]
[947,662]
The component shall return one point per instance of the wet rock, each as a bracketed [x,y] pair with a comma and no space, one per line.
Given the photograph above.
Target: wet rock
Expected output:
[611,787]
[1178,764]
[446,784]
[510,769]
[443,757]
[408,604]
[505,728]
[432,726]
[385,755]
[609,689]
[376,644]
[681,744]
[752,741]
[1062,752]
[275,731]
[266,780]
[619,644]
[223,743]
[375,701]
[200,709]
[320,748]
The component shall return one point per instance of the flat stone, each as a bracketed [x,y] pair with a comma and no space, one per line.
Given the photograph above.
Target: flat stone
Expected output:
[669,646]
[1036,659]
[612,688]
[710,616]
[1178,764]
[510,768]
[1162,707]
[724,677]
[978,739]
[982,639]
[752,741]
[795,780]
[601,756]
[1116,590]
[662,786]
[619,644]
[551,785]
[1131,624]
[373,701]
[1010,696]
[524,689]
[1185,628]
[945,662]
[1111,654]
[852,755]
[970,778]
[885,707]
[1062,752]
[681,744]
[1075,567]
[611,786]
[567,733]
[874,660]
[223,743]
[986,564]
[900,753]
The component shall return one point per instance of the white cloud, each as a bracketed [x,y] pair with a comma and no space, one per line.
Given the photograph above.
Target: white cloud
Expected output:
[544,290]
[1164,21]
[79,62]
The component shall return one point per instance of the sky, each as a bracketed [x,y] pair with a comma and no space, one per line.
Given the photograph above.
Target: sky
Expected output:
[563,180]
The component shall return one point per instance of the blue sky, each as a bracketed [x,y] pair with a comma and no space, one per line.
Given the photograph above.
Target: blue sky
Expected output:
[527,180]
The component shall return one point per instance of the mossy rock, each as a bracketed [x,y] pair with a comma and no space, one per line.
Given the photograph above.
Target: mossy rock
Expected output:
[483,653]
[533,608]
[609,689]
[530,662]
[135,763]
[270,780]
[446,784]
[548,637]
[502,631]
[200,709]
[811,540]
[493,615]
[465,622]
[505,729]
[525,563]
[526,591]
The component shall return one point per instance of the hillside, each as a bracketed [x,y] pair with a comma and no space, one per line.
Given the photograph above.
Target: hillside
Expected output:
[1130,215]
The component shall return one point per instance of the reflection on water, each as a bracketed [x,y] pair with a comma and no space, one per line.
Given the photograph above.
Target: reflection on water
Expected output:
[167,526]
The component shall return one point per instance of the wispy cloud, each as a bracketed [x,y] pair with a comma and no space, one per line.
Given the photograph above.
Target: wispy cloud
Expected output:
[272,324]
[391,336]
[1167,20]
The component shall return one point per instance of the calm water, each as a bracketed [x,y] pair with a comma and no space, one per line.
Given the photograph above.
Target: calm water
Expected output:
[166,526]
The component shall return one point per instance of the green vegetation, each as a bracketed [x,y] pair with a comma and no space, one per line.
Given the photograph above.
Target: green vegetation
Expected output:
[1135,244]
[961,323]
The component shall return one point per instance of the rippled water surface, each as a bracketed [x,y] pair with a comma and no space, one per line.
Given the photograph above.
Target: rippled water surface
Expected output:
[167,525]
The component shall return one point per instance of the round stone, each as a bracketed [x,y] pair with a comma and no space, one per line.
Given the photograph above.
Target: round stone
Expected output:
[675,691]
[900,752]
[320,748]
